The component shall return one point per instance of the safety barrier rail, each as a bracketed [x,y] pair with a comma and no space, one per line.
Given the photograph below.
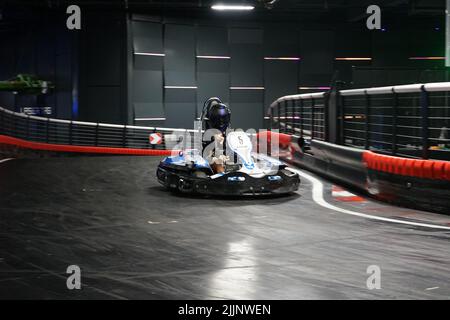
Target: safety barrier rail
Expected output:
[66,132]
[405,120]
[302,114]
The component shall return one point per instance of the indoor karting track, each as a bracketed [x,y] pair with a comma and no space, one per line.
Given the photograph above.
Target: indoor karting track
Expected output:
[134,240]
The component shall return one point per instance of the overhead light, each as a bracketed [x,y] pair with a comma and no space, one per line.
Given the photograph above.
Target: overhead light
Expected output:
[283,58]
[150,54]
[426,58]
[353,59]
[227,7]
[180,87]
[247,88]
[149,119]
[315,88]
[213,57]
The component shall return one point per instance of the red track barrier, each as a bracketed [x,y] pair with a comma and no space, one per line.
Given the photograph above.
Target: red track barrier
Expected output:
[80,149]
[283,138]
[427,169]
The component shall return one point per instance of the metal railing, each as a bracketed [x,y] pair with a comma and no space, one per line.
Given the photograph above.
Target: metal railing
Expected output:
[302,114]
[405,120]
[92,134]
[66,132]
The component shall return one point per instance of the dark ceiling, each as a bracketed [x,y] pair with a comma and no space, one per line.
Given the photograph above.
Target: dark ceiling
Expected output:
[331,11]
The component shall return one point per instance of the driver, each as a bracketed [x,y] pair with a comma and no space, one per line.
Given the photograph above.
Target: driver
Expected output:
[217,116]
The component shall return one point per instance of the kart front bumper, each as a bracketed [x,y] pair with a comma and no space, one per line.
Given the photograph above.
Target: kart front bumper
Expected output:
[230,184]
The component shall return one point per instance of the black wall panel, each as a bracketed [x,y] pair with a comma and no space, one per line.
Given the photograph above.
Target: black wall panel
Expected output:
[102,69]
[7,100]
[104,56]
[180,108]
[7,67]
[147,37]
[213,77]
[281,41]
[247,109]
[212,41]
[179,62]
[148,87]
[7,55]
[281,79]
[432,48]
[45,64]
[45,57]
[64,67]
[352,43]
[147,74]
[26,48]
[280,76]
[364,78]
[63,78]
[26,51]
[103,105]
[246,57]
[388,51]
[317,53]
[434,40]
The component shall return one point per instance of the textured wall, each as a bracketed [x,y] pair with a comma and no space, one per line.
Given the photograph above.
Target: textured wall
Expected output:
[187,63]
[42,48]
[131,71]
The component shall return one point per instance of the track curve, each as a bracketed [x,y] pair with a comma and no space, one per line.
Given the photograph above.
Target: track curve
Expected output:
[132,239]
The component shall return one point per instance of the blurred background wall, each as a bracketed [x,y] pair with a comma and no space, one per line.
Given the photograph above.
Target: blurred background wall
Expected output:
[157,69]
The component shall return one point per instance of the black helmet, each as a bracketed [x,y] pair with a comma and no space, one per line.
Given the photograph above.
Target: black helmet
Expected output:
[218,116]
[211,101]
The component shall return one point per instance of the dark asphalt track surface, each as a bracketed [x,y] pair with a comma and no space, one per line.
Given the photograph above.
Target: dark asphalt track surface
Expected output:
[133,239]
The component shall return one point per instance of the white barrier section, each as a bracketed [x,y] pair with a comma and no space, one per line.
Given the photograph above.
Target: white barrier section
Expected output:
[406,88]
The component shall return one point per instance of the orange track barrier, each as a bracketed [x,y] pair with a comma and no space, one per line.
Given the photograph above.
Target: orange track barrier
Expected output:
[80,149]
[428,169]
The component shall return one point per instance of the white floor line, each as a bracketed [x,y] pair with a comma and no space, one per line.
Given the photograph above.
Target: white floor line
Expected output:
[4,160]
[317,195]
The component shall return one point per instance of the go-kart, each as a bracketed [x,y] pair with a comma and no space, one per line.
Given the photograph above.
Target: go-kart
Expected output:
[253,174]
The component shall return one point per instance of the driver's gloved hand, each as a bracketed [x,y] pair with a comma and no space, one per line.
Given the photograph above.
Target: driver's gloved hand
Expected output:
[218,163]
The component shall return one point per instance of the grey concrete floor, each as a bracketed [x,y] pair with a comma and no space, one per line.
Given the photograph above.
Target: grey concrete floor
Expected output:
[133,239]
